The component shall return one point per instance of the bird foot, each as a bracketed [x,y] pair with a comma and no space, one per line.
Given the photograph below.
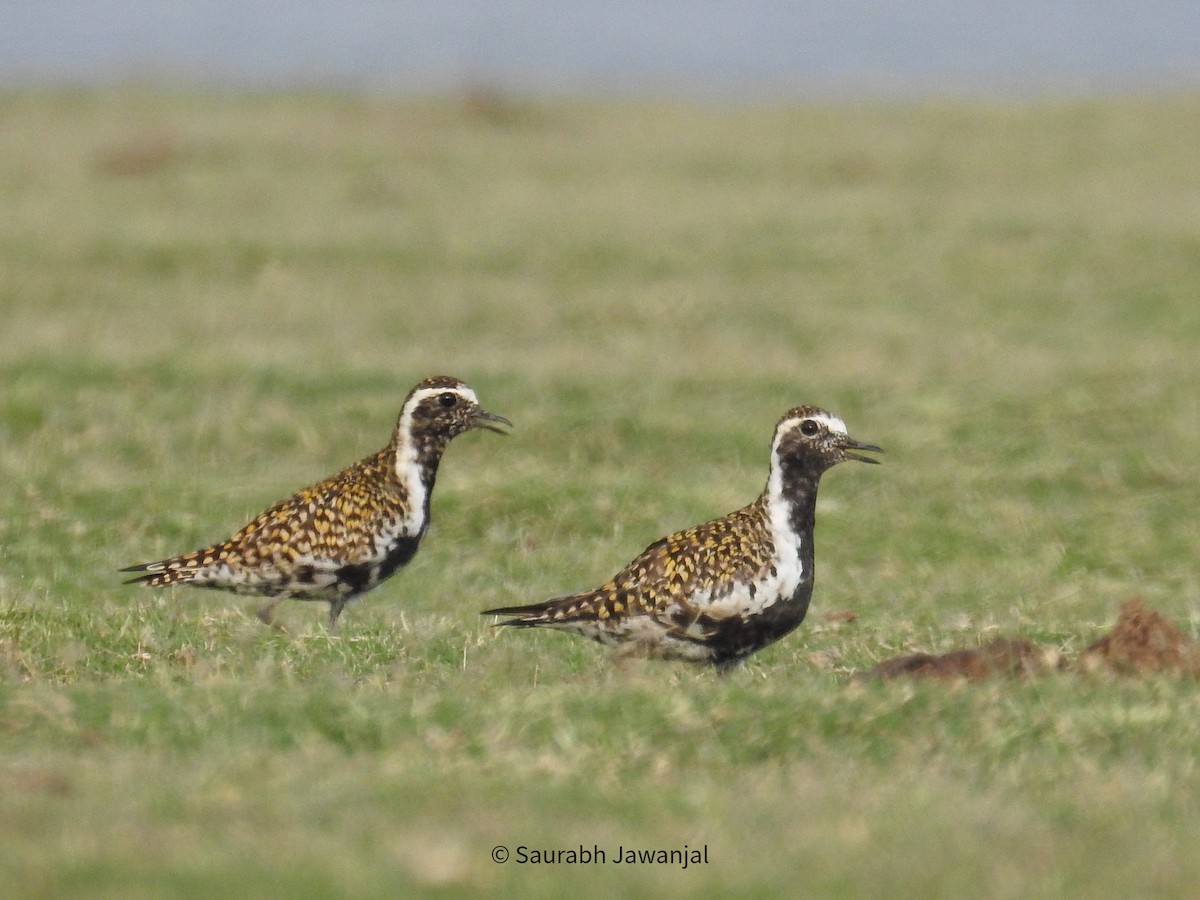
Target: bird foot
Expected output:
[265,614]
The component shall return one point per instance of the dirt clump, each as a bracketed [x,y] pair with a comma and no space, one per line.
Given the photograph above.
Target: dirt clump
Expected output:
[1001,656]
[1142,642]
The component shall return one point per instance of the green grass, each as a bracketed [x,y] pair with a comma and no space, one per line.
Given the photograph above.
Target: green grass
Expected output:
[211,300]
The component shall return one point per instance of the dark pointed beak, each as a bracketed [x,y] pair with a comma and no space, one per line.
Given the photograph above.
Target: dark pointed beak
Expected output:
[849,444]
[489,421]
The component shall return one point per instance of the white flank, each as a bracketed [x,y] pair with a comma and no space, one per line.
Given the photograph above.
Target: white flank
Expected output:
[324,570]
[644,634]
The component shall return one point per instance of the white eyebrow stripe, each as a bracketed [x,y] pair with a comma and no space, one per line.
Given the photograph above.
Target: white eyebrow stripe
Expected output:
[425,393]
[830,421]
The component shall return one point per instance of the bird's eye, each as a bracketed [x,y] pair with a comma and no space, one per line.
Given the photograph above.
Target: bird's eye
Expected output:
[447,400]
[808,427]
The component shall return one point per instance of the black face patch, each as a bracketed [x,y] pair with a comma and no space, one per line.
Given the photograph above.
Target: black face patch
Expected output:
[440,417]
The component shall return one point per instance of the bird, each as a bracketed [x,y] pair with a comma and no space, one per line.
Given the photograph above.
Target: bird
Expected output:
[343,536]
[718,592]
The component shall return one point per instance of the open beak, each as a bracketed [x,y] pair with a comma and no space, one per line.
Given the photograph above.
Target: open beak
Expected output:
[489,421]
[849,444]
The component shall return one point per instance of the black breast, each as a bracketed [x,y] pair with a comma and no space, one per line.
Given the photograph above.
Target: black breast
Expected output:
[732,640]
[363,577]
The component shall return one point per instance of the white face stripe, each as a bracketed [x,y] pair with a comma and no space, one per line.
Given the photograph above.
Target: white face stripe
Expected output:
[425,393]
[830,421]
[406,454]
[405,424]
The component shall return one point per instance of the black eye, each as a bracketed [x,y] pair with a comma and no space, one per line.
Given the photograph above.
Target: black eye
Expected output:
[447,400]
[808,427]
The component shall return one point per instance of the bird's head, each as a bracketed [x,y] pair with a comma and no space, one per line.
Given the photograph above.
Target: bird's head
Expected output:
[817,439]
[442,407]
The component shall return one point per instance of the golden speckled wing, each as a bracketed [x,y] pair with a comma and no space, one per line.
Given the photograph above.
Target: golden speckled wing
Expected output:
[344,520]
[337,519]
[684,576]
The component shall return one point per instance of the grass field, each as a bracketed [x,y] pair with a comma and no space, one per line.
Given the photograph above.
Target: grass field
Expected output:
[211,300]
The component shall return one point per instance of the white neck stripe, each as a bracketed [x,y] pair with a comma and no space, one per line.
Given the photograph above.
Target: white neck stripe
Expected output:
[408,471]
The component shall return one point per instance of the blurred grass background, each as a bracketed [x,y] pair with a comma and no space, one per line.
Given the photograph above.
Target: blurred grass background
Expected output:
[210,300]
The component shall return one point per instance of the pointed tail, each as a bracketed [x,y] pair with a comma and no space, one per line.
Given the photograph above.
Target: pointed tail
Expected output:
[560,611]
[177,570]
[527,616]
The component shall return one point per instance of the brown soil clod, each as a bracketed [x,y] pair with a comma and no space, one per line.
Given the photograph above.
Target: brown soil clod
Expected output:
[1142,642]
[999,657]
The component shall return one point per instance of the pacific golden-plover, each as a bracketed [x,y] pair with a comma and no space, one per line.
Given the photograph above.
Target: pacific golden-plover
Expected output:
[342,536]
[720,591]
